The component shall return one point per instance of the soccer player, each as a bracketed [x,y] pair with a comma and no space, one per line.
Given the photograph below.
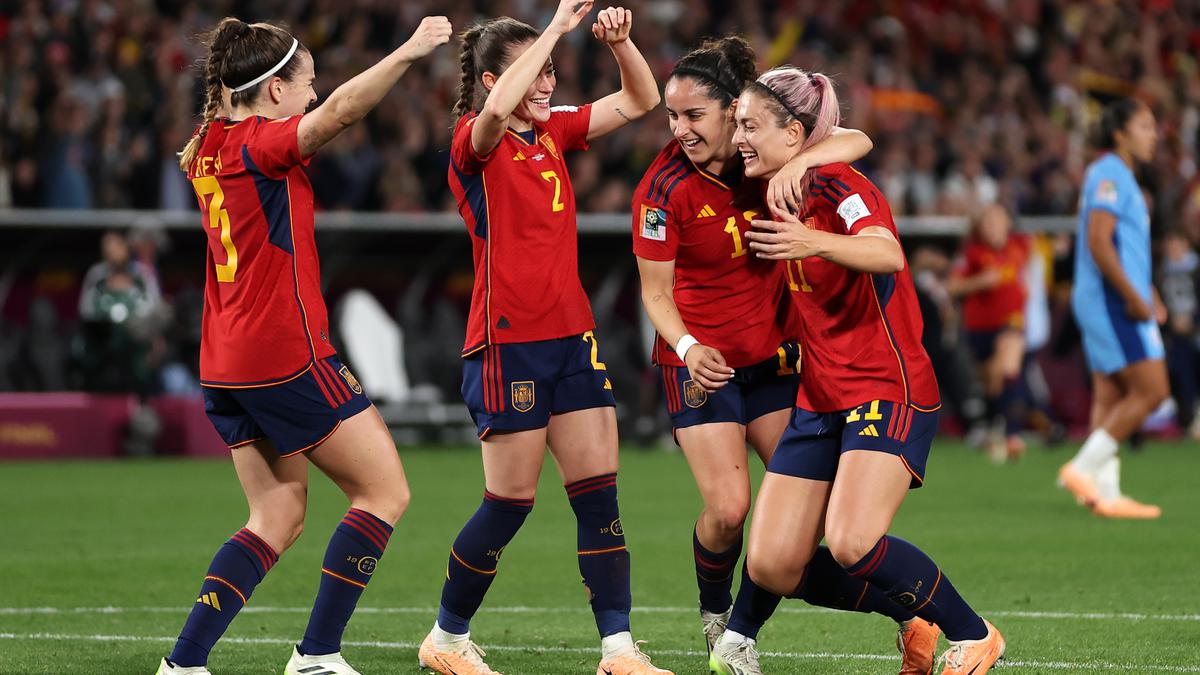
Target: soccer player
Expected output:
[866,406]
[990,278]
[274,387]
[532,371]
[1118,310]
[726,328]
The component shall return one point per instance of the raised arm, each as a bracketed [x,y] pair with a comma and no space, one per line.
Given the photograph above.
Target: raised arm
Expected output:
[356,97]
[786,188]
[506,94]
[639,91]
[706,364]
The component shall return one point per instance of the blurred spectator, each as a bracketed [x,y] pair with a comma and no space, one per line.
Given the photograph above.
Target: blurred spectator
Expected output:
[1177,276]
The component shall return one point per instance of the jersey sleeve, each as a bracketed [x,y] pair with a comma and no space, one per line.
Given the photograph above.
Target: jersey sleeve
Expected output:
[462,151]
[655,227]
[569,124]
[1104,190]
[275,146]
[859,203]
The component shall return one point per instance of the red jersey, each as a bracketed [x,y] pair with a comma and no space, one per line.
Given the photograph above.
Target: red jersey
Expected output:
[861,332]
[1003,305]
[729,299]
[519,208]
[264,318]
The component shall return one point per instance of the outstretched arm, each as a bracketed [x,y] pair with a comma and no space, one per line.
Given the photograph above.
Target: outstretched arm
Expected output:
[356,97]
[784,191]
[639,91]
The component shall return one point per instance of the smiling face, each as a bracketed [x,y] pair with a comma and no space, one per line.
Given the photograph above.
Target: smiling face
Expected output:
[765,146]
[295,95]
[703,128]
[535,105]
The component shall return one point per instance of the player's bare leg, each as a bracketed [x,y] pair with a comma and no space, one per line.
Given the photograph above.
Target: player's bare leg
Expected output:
[1007,362]
[1079,476]
[1145,385]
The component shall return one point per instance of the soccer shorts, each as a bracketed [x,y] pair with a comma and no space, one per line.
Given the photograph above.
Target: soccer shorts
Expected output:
[296,415]
[518,386]
[753,392]
[814,442]
[1111,340]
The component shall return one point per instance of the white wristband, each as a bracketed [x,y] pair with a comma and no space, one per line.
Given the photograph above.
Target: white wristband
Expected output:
[685,343]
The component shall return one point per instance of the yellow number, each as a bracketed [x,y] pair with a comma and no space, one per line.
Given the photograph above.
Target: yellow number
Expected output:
[218,217]
[597,364]
[551,177]
[784,367]
[803,285]
[732,228]
[873,414]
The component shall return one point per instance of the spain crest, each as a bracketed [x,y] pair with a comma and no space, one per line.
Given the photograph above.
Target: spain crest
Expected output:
[549,143]
[350,379]
[522,396]
[693,395]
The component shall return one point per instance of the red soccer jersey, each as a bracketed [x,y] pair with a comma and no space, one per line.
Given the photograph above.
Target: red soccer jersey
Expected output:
[519,208]
[1002,306]
[861,332]
[728,299]
[264,318]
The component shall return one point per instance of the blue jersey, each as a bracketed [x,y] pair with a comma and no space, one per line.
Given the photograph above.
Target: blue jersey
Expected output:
[1109,184]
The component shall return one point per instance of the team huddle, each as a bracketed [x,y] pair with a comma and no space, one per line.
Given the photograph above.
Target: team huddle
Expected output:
[772,271]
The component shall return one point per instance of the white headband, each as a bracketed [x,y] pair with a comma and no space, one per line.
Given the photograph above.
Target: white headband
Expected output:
[286,57]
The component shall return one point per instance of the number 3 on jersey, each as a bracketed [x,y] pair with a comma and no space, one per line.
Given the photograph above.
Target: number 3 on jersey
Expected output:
[207,186]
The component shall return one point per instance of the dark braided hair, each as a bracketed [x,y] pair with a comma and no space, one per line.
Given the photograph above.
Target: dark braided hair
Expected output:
[723,67]
[485,48]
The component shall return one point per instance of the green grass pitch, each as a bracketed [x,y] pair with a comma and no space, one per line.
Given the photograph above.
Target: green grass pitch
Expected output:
[100,563]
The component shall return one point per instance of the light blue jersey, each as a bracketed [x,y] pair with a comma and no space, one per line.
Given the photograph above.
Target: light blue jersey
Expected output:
[1111,339]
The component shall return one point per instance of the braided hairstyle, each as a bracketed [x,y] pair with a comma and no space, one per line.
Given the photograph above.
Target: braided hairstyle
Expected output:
[486,48]
[238,52]
[723,67]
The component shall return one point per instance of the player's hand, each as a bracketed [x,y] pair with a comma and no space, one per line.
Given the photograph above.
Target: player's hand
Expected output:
[568,15]
[1160,310]
[433,31]
[707,367]
[612,25]
[1139,310]
[788,239]
[785,191]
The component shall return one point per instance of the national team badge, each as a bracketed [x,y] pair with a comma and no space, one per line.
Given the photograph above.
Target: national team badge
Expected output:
[549,143]
[654,223]
[1106,192]
[693,395]
[522,396]
[366,565]
[350,380]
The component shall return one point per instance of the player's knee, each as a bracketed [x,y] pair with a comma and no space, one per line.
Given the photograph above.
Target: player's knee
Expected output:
[773,574]
[728,516]
[848,546]
[390,503]
[280,523]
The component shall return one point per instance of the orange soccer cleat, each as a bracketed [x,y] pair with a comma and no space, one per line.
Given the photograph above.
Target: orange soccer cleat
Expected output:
[1126,508]
[974,657]
[453,661]
[1079,484]
[632,661]
[917,641]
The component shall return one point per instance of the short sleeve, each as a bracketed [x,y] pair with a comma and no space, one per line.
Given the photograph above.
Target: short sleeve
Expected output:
[1104,191]
[655,230]
[569,124]
[462,151]
[859,203]
[275,146]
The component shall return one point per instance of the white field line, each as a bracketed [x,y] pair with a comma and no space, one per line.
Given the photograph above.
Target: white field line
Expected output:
[811,656]
[1004,614]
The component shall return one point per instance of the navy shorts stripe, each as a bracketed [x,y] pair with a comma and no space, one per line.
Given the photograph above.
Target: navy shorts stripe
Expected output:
[1123,327]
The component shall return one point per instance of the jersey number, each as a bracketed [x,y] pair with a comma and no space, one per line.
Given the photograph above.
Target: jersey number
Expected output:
[597,364]
[872,414]
[784,367]
[207,186]
[551,177]
[732,228]
[803,286]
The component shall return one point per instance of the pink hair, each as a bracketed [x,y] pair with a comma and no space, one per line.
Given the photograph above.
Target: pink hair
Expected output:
[809,98]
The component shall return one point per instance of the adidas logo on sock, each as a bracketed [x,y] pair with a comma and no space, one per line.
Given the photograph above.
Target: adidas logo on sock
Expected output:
[210,599]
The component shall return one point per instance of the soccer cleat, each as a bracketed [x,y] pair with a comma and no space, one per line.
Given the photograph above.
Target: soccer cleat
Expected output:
[168,668]
[318,664]
[730,657]
[631,661]
[1079,484]
[713,626]
[974,657]
[467,660]
[1126,508]
[917,641]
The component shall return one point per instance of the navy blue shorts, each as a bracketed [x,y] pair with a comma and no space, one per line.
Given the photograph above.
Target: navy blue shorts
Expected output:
[753,392]
[982,343]
[814,442]
[295,416]
[518,386]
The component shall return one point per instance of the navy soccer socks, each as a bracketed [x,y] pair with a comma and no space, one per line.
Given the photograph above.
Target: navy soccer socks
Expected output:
[603,558]
[753,607]
[907,576]
[475,556]
[350,560]
[827,584]
[714,574]
[239,566]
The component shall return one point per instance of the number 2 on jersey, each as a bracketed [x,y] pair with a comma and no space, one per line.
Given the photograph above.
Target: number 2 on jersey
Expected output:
[207,186]
[552,177]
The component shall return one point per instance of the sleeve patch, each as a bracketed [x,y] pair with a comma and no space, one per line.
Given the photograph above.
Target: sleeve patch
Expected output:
[1106,192]
[654,223]
[852,209]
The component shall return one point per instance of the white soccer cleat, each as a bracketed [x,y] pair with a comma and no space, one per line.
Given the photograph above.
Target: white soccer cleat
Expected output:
[320,664]
[713,626]
[734,657]
[168,668]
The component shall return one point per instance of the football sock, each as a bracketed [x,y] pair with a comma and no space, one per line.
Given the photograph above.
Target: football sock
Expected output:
[350,560]
[1096,450]
[752,608]
[239,565]
[714,574]
[475,556]
[827,584]
[907,576]
[1010,407]
[1108,479]
[603,558]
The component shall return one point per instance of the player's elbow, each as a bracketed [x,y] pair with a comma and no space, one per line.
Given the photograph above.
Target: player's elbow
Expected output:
[645,102]
[491,113]
[891,261]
